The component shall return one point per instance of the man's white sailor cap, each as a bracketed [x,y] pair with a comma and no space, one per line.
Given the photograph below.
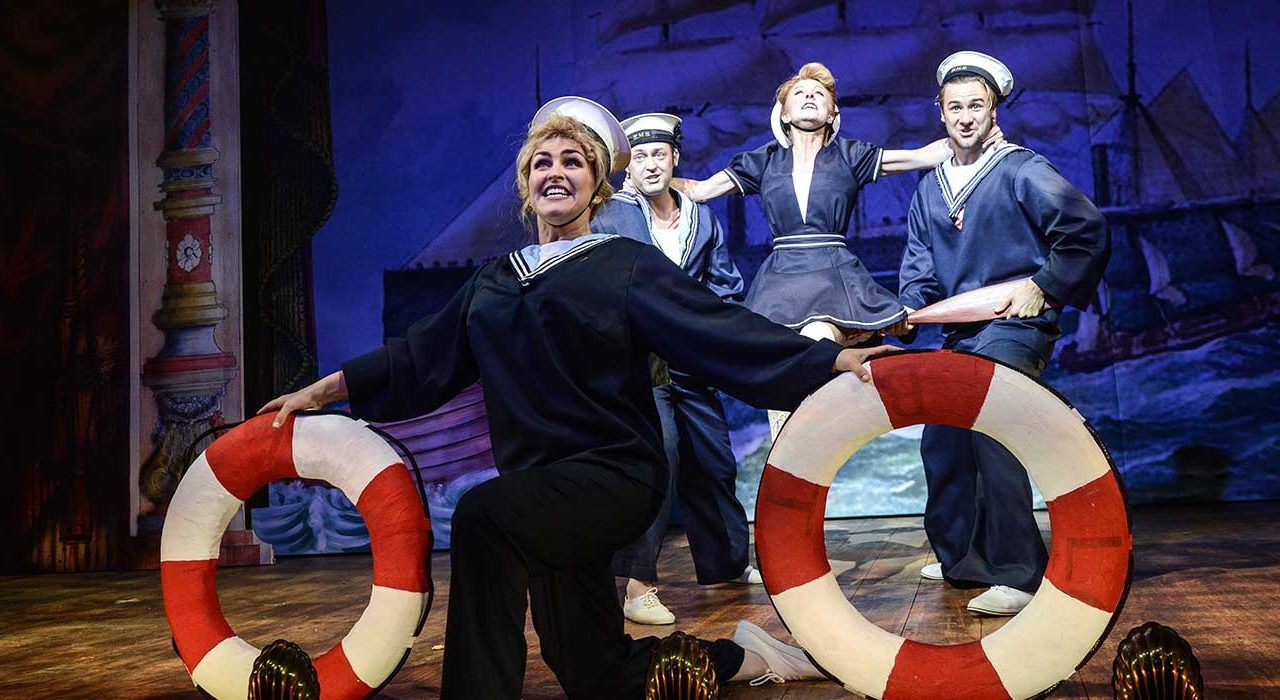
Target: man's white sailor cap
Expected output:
[780,129]
[598,120]
[654,127]
[981,65]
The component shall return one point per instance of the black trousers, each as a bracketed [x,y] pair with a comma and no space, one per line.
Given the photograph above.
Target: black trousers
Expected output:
[704,473]
[978,514]
[547,535]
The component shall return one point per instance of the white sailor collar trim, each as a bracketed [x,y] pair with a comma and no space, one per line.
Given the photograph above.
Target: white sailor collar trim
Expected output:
[688,215]
[625,196]
[689,210]
[955,201]
[528,262]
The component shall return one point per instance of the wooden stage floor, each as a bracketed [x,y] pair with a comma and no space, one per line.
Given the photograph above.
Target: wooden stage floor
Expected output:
[1211,572]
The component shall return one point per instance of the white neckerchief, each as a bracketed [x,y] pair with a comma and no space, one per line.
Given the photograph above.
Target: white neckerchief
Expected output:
[533,260]
[668,241]
[957,182]
[678,242]
[959,175]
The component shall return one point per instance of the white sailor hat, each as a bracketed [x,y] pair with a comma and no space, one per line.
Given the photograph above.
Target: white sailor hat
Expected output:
[980,64]
[780,130]
[598,120]
[654,127]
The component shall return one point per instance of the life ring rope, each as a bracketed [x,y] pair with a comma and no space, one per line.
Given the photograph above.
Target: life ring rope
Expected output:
[1090,558]
[329,447]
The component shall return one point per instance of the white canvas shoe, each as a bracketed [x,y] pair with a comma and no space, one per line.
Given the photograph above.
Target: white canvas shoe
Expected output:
[784,662]
[1000,600]
[647,609]
[932,572]
[751,575]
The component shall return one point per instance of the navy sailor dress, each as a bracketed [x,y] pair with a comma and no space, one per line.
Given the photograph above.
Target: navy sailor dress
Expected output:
[811,275]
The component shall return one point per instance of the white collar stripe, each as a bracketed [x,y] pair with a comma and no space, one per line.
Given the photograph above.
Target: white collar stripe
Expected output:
[956,201]
[690,208]
[525,273]
[736,182]
[518,263]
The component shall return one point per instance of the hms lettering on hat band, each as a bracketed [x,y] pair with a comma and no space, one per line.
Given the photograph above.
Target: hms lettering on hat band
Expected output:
[653,127]
[1090,562]
[977,64]
[651,136]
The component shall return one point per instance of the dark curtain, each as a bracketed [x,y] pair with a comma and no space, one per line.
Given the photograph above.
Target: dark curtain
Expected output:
[64,284]
[289,188]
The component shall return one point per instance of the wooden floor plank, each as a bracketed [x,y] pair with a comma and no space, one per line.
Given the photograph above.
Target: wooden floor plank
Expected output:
[1211,572]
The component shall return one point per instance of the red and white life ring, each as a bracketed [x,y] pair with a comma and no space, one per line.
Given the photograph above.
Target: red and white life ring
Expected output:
[1090,560]
[332,448]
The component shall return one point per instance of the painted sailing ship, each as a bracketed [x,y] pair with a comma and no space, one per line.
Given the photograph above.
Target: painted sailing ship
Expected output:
[1194,220]
[1194,214]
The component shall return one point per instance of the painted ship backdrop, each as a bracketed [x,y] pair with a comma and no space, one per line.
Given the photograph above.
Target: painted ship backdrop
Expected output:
[1176,361]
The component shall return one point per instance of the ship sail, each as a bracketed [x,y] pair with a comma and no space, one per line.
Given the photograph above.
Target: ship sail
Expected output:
[1260,146]
[1172,150]
[1245,251]
[490,226]
[1091,327]
[1089,331]
[1162,286]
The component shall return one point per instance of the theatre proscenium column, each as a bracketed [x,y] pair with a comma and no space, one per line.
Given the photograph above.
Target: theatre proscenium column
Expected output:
[190,373]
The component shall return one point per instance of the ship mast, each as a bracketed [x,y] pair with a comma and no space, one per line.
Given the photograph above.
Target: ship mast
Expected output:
[1132,108]
[1248,77]
[1131,66]
[537,76]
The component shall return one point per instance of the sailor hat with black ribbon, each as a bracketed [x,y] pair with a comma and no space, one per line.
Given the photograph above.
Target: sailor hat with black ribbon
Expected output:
[780,129]
[980,64]
[598,120]
[654,127]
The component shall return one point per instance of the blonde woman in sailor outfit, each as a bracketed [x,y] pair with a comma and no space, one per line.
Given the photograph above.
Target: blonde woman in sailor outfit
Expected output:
[809,178]
[560,333]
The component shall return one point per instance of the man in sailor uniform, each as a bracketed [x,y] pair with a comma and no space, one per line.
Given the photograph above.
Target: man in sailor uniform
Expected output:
[695,434]
[980,218]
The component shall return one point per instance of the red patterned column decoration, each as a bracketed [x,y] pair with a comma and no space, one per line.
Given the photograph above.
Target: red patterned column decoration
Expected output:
[190,373]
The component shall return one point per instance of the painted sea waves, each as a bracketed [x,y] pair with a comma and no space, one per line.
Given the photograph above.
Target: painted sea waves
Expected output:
[1195,431]
[1181,425]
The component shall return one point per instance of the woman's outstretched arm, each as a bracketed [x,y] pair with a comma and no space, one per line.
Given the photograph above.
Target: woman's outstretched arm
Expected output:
[717,185]
[925,157]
